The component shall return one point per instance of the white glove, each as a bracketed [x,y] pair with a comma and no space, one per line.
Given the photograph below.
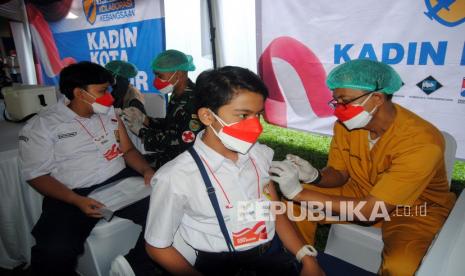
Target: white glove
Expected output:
[307,173]
[118,112]
[285,174]
[134,119]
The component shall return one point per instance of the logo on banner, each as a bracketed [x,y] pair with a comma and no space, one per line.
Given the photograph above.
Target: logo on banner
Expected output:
[90,10]
[449,13]
[310,71]
[107,10]
[429,85]
[462,93]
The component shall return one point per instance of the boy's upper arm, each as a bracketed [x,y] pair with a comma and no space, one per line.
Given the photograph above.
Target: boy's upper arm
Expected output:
[166,210]
[36,151]
[125,143]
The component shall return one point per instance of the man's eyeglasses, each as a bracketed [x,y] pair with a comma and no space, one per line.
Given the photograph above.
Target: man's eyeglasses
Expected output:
[333,102]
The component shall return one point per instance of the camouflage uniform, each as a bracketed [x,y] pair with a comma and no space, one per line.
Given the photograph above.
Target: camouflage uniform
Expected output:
[168,137]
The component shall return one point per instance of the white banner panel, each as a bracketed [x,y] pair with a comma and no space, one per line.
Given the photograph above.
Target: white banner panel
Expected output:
[300,41]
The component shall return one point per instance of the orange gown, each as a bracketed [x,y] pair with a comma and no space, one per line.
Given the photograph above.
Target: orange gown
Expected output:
[405,168]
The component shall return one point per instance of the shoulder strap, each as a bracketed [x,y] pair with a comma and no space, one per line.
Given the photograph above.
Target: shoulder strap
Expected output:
[213,199]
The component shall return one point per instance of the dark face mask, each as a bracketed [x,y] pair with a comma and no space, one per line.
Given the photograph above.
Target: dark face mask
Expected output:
[119,91]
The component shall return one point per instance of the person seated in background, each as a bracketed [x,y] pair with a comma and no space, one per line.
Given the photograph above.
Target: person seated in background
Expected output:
[67,151]
[231,100]
[168,137]
[383,159]
[5,80]
[124,93]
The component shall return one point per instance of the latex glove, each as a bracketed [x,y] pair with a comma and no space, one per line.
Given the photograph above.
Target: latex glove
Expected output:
[134,119]
[307,173]
[286,175]
[118,112]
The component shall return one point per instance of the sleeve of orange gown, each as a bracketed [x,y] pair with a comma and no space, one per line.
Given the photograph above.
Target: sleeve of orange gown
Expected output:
[335,156]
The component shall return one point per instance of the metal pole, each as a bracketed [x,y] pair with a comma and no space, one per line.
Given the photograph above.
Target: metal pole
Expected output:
[212,32]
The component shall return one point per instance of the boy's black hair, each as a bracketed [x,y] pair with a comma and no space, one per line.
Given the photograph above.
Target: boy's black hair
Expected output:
[81,75]
[217,87]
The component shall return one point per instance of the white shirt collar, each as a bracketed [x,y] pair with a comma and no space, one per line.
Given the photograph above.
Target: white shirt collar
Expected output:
[214,159]
[66,114]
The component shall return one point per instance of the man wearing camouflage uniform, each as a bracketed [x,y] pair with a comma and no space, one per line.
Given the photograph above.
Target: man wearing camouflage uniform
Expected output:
[167,137]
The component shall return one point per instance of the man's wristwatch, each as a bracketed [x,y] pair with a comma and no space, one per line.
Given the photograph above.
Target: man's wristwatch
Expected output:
[306,250]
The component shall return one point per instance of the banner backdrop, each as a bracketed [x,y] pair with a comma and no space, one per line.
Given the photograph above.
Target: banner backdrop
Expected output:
[300,41]
[100,31]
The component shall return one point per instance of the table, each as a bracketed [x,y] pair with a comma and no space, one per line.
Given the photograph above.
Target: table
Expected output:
[20,205]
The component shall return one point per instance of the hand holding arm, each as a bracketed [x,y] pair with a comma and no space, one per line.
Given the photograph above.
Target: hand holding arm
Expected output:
[307,173]
[286,175]
[134,118]
[327,177]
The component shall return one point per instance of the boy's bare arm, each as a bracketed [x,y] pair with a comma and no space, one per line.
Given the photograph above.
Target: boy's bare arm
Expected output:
[291,238]
[171,260]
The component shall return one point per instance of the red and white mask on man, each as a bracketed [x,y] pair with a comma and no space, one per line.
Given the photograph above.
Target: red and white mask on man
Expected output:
[164,86]
[354,116]
[102,104]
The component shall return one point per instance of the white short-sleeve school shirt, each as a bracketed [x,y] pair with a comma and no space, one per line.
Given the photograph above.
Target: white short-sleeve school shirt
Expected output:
[55,143]
[179,198]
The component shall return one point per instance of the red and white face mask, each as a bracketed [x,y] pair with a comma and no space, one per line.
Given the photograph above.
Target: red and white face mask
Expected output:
[354,116]
[240,136]
[164,86]
[102,104]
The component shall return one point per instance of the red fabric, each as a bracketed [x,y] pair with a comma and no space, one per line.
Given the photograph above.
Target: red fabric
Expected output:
[344,113]
[106,100]
[159,84]
[246,130]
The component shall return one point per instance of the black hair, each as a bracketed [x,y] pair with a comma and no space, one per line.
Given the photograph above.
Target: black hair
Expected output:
[388,97]
[217,87]
[81,75]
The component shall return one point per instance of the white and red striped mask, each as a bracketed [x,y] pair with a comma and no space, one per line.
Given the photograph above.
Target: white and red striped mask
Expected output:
[164,86]
[354,116]
[239,136]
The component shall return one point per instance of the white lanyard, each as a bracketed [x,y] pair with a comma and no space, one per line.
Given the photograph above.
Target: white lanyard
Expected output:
[88,132]
[229,206]
[106,144]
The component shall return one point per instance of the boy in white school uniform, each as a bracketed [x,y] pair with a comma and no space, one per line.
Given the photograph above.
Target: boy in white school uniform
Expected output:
[67,151]
[230,101]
